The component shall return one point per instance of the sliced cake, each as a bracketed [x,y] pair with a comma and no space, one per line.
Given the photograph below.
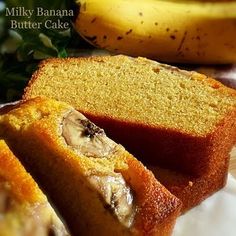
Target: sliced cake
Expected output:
[169,118]
[98,187]
[24,209]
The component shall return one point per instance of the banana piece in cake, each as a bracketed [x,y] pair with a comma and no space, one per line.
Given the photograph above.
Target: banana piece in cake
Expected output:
[98,187]
[178,120]
[24,209]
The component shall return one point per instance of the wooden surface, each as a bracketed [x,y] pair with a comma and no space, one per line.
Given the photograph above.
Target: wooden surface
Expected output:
[232,165]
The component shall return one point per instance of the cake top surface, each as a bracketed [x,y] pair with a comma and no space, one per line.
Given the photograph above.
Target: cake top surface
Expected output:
[136,90]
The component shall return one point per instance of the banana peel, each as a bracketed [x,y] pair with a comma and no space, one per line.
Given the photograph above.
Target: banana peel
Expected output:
[170,31]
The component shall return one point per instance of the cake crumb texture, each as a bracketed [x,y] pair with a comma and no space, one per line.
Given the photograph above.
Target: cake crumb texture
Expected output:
[160,95]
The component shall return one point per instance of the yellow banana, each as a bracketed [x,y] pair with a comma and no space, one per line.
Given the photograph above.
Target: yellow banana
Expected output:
[170,31]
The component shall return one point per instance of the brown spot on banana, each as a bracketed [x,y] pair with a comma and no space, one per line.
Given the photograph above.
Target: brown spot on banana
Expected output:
[93,20]
[128,32]
[91,38]
[182,41]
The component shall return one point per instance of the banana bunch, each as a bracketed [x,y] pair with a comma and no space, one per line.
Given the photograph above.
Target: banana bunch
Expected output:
[169,31]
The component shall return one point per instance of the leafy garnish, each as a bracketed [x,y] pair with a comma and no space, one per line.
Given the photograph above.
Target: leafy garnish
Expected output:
[22,49]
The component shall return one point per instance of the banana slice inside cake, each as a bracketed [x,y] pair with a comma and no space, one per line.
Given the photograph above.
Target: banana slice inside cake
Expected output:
[89,140]
[85,137]
[24,210]
[117,195]
[98,187]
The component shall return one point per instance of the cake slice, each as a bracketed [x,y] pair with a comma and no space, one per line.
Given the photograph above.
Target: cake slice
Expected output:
[24,209]
[190,189]
[176,116]
[98,187]
[169,118]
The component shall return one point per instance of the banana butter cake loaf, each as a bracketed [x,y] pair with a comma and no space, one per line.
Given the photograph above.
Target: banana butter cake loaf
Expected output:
[168,118]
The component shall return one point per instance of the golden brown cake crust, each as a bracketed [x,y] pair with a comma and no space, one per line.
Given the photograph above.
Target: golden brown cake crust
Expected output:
[189,189]
[155,205]
[24,208]
[11,170]
[157,208]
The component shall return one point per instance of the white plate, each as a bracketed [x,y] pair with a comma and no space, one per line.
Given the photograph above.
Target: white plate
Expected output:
[216,216]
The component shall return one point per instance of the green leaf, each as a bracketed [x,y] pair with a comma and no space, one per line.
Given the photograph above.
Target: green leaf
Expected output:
[22,49]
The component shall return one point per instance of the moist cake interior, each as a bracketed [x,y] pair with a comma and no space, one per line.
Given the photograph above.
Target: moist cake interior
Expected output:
[161,96]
